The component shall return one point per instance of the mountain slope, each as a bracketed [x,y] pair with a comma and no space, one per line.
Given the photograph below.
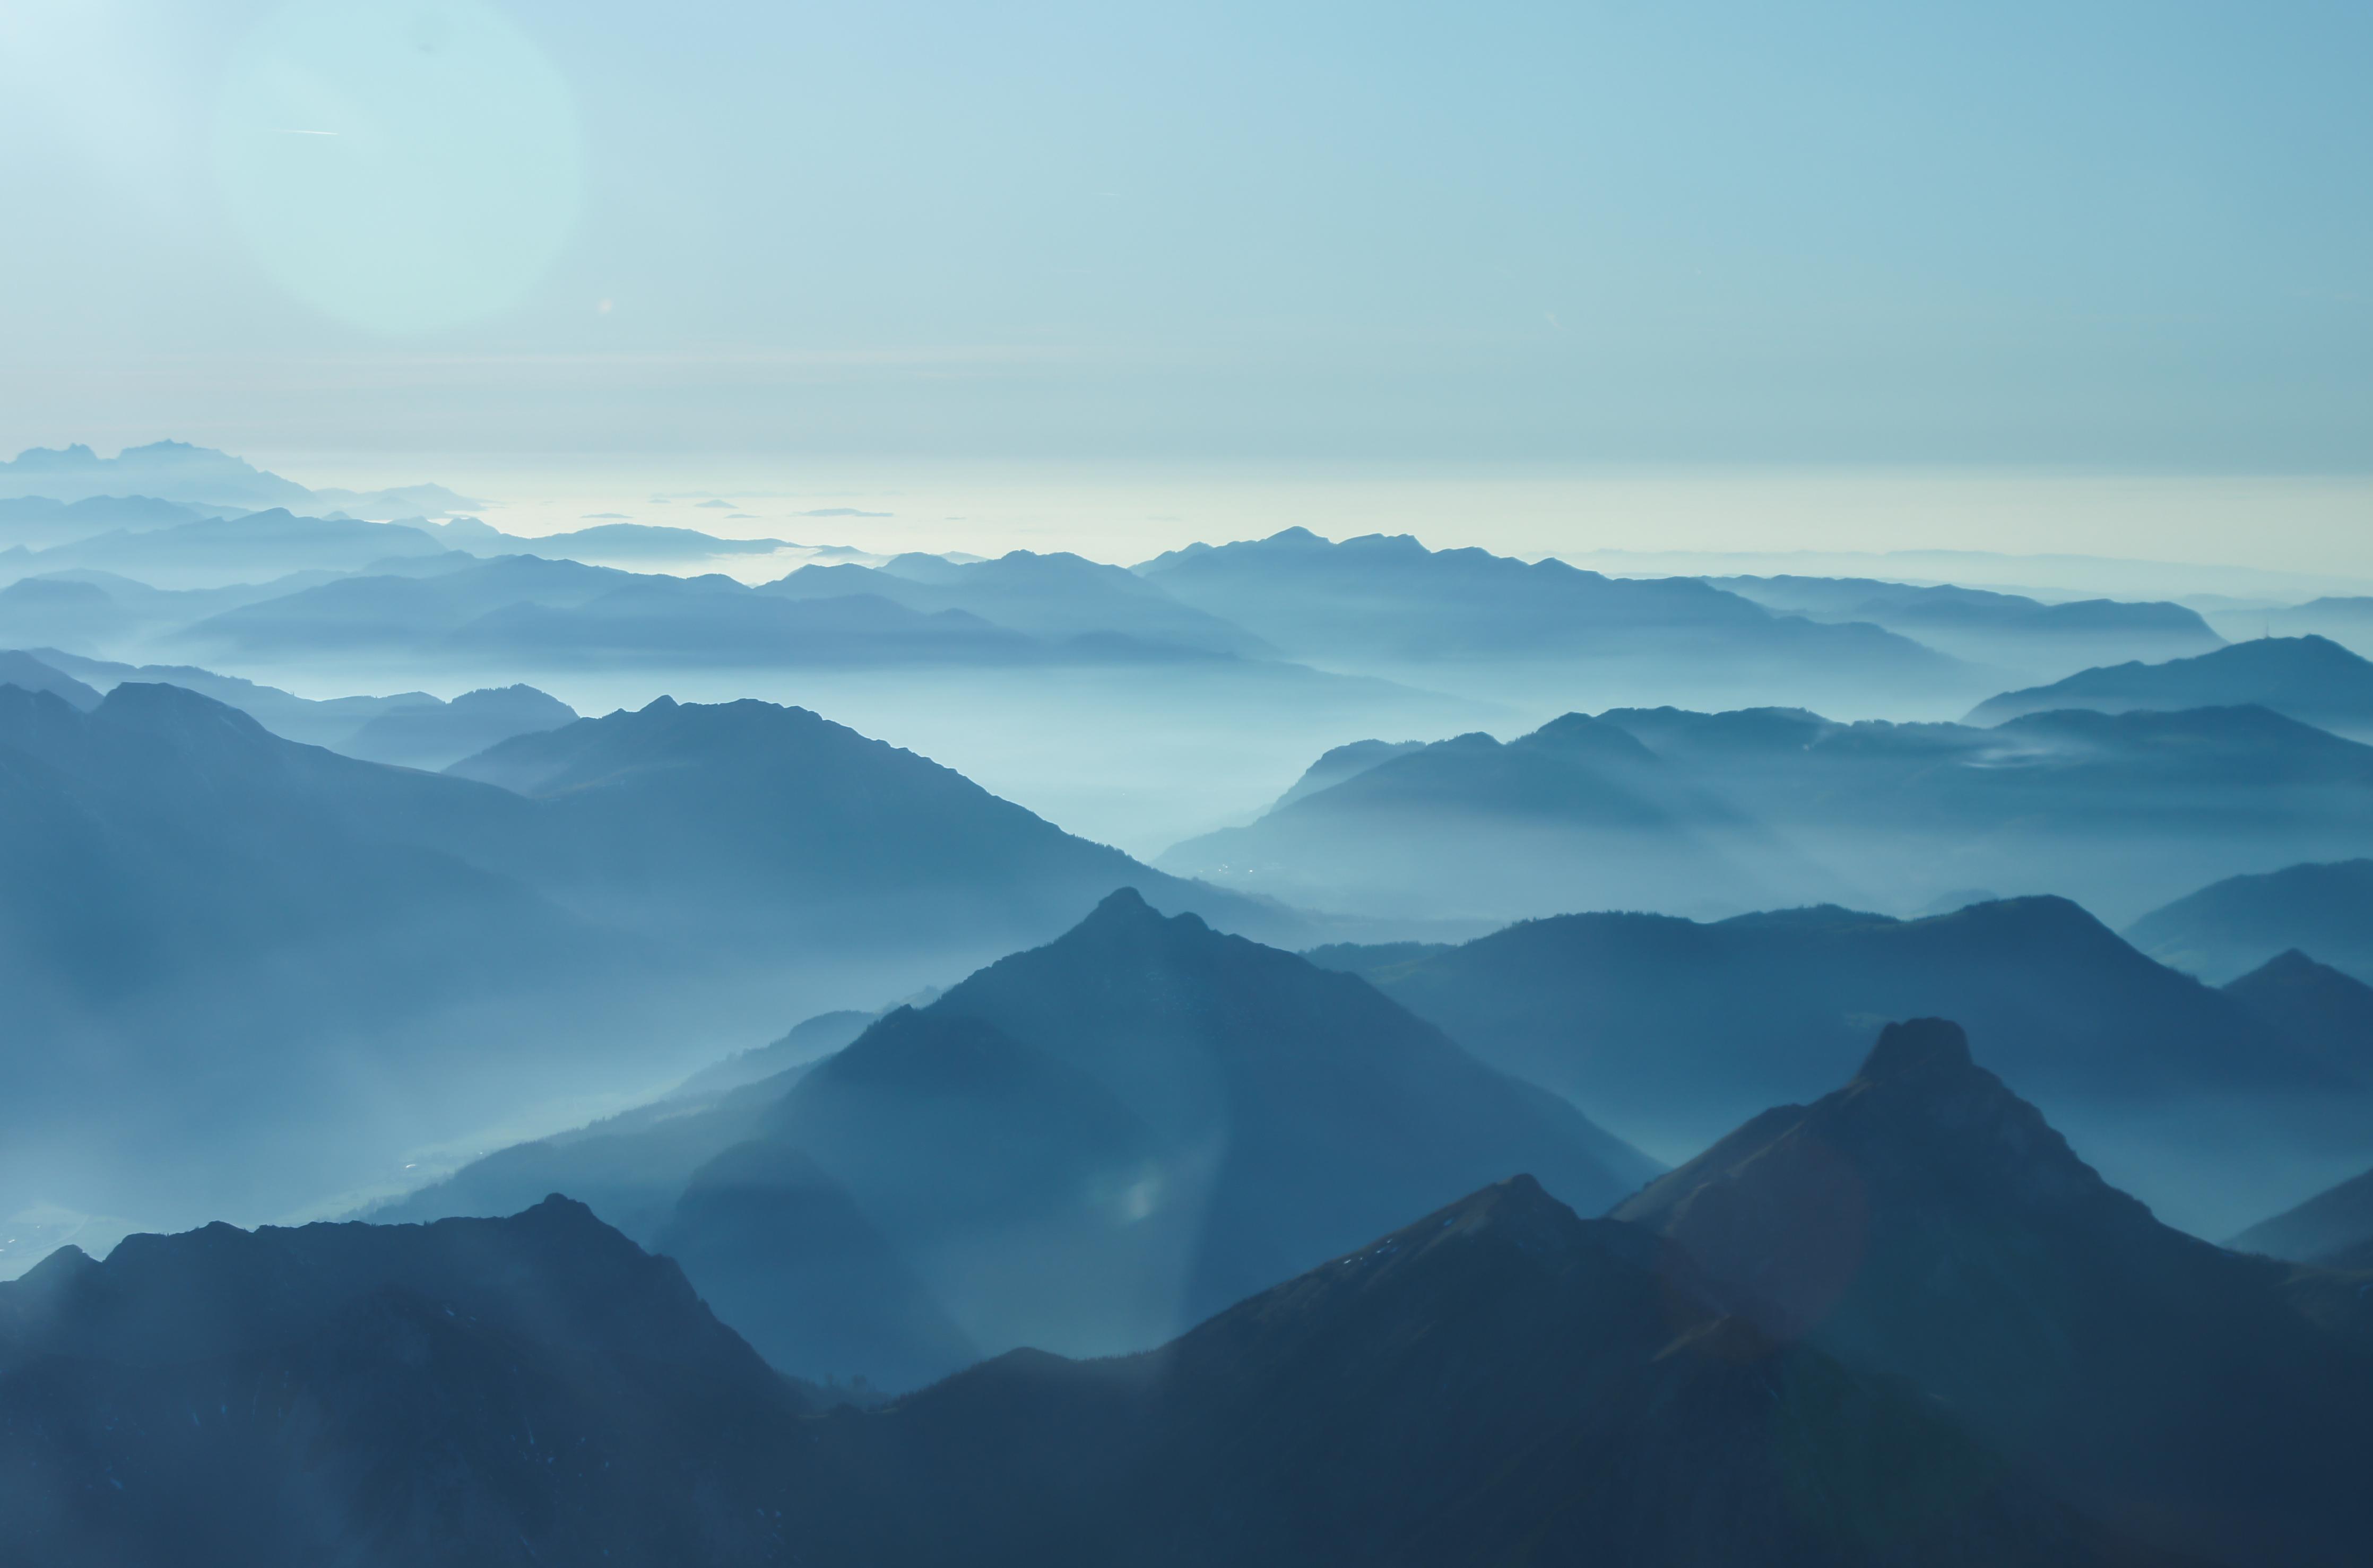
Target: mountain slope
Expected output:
[2314,1006]
[2332,1226]
[1087,1146]
[1500,1382]
[1672,1030]
[531,1388]
[2236,925]
[1926,1223]
[248,976]
[1577,813]
[2311,679]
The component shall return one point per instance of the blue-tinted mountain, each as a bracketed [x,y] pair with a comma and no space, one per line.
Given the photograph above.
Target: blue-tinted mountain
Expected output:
[1387,605]
[780,1251]
[1706,814]
[172,471]
[1090,1145]
[1059,596]
[2006,631]
[27,674]
[2313,1005]
[1499,1382]
[2234,926]
[525,1389]
[36,522]
[2335,1227]
[1671,1031]
[216,552]
[176,472]
[1924,1222]
[2311,679]
[402,610]
[245,972]
[1576,814]
[2345,619]
[1498,1378]
[412,729]
[436,737]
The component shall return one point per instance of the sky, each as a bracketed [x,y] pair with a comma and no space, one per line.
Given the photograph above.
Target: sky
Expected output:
[2093,238]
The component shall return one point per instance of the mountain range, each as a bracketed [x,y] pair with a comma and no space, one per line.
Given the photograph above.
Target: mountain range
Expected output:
[1500,626]
[2001,630]
[1717,813]
[176,472]
[2236,925]
[248,975]
[1083,1147]
[1901,1324]
[2311,679]
[1926,1224]
[1669,1031]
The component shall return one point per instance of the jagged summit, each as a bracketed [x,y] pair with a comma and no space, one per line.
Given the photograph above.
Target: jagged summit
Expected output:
[1921,1047]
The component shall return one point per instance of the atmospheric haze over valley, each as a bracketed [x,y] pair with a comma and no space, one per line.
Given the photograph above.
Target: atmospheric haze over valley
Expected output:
[1163,786]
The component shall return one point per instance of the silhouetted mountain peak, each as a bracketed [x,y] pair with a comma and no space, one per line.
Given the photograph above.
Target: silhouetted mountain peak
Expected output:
[1922,1048]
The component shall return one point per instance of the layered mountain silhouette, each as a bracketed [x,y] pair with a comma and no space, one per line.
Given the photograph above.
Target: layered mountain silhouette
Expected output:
[2315,1006]
[1086,1146]
[1059,596]
[1925,1222]
[244,973]
[1671,1030]
[411,728]
[1387,604]
[1499,1379]
[2004,630]
[2335,1227]
[27,674]
[1713,813]
[1577,813]
[531,1388]
[2311,679]
[177,472]
[242,547]
[2236,925]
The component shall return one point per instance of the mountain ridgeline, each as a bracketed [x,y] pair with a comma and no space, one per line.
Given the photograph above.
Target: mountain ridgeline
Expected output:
[1085,1147]
[246,973]
[1902,1325]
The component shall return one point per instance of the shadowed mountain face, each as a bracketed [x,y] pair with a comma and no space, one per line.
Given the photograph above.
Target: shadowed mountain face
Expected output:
[1714,813]
[527,1389]
[1670,1031]
[2231,928]
[1926,1223]
[2314,1006]
[2310,679]
[213,552]
[1499,1382]
[1088,1146]
[1499,1379]
[244,974]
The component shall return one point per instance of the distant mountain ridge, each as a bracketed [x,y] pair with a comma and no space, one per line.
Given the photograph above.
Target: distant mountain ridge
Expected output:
[1710,813]
[2234,924]
[184,888]
[1671,1030]
[2311,679]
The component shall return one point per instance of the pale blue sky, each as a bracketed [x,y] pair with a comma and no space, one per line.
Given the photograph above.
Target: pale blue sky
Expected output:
[2122,235]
